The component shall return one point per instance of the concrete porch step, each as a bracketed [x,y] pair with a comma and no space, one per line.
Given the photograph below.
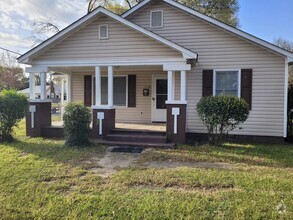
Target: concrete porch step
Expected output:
[135,144]
[135,132]
[139,137]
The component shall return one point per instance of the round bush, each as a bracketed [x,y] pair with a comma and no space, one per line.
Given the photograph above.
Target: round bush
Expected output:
[221,114]
[12,110]
[77,119]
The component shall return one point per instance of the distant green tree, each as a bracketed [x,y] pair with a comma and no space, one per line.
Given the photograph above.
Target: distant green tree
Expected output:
[223,10]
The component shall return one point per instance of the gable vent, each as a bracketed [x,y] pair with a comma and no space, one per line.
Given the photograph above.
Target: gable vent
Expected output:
[156,19]
[103,31]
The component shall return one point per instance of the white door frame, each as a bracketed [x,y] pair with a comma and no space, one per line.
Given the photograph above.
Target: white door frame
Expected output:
[154,78]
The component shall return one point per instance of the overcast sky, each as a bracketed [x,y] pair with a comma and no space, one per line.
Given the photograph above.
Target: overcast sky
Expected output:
[267,19]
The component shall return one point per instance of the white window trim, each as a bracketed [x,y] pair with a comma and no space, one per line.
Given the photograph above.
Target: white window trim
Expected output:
[151,19]
[116,106]
[103,38]
[228,70]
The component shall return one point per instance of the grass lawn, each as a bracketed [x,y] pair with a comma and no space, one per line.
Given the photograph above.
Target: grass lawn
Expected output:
[42,179]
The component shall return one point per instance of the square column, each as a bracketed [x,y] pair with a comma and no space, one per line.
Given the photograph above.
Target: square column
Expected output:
[38,115]
[98,85]
[170,86]
[103,115]
[43,85]
[183,86]
[32,83]
[176,122]
[110,86]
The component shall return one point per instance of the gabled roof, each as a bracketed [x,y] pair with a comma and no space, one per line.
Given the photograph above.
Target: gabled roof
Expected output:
[217,23]
[26,58]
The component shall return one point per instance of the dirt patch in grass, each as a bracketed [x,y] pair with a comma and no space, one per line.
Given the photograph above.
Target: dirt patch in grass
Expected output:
[113,161]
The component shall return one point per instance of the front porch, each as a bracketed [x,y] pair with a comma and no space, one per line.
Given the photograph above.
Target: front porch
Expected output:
[130,106]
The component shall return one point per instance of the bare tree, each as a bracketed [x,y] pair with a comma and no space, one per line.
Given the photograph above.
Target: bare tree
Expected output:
[42,28]
[285,44]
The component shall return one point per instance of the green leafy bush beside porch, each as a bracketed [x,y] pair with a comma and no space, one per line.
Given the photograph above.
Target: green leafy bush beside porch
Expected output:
[77,119]
[12,110]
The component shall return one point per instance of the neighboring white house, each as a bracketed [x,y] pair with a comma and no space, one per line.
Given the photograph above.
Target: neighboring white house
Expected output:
[156,61]
[56,94]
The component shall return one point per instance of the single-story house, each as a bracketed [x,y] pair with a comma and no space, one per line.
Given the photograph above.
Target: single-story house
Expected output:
[154,63]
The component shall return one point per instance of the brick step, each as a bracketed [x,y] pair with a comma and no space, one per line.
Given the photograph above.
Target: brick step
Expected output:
[143,138]
[135,132]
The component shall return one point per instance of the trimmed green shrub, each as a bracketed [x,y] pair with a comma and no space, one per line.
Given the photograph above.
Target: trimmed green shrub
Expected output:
[77,119]
[12,110]
[221,114]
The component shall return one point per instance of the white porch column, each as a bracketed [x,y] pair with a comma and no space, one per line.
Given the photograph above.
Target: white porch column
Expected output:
[68,88]
[183,86]
[62,91]
[32,86]
[43,85]
[98,86]
[174,84]
[110,86]
[170,86]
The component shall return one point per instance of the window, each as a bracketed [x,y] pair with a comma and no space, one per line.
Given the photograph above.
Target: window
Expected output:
[103,31]
[226,82]
[156,19]
[119,93]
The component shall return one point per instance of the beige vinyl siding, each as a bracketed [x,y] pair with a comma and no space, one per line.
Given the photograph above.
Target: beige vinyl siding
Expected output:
[218,49]
[123,44]
[141,113]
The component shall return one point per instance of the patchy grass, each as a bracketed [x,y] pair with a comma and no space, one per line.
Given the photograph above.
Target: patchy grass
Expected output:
[42,179]
[252,154]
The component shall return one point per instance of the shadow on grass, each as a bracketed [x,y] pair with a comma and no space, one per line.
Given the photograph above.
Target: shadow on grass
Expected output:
[256,154]
[55,150]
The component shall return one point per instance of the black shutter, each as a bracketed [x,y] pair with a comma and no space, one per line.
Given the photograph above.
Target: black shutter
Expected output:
[131,90]
[207,82]
[246,85]
[87,90]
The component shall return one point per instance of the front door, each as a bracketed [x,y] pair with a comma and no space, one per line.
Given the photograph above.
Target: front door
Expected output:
[159,97]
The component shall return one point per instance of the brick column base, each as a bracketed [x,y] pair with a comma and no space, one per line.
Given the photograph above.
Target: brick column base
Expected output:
[181,123]
[108,122]
[42,117]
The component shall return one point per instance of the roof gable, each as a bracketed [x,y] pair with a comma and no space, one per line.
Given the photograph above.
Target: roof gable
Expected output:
[215,22]
[82,22]
[123,43]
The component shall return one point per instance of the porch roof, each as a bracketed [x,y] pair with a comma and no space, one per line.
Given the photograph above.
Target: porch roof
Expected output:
[28,56]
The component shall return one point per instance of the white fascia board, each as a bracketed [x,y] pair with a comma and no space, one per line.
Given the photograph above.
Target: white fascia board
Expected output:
[176,67]
[36,69]
[101,62]
[220,24]
[285,98]
[188,54]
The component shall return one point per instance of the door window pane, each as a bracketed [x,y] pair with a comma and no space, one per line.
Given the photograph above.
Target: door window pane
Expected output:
[227,83]
[161,96]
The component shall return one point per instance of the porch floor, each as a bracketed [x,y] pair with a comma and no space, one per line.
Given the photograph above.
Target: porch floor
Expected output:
[131,126]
